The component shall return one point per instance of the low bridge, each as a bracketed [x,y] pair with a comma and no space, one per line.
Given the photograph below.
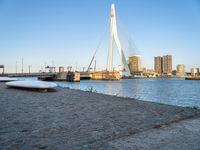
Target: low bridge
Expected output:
[83,75]
[28,74]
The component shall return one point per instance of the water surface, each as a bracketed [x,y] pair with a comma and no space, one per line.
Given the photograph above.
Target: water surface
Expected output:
[173,91]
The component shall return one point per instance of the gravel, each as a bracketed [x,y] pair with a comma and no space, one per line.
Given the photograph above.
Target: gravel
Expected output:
[73,119]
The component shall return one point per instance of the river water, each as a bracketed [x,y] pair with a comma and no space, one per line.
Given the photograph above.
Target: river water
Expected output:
[173,91]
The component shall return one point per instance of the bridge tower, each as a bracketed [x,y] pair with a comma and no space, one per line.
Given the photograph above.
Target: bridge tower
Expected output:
[114,38]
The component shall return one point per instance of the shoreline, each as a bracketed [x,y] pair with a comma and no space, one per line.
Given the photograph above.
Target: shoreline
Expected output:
[126,97]
[93,90]
[75,119]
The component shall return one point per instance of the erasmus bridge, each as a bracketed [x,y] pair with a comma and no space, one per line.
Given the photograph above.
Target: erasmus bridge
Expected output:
[114,38]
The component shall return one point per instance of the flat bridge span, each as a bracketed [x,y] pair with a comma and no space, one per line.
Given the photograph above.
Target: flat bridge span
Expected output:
[28,74]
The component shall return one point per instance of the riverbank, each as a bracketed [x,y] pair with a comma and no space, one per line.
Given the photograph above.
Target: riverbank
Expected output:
[172,91]
[74,119]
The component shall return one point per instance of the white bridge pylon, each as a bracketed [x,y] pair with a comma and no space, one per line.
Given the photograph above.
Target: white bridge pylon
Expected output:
[114,38]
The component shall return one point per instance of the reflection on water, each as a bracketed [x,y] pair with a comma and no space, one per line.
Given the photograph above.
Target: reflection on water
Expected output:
[174,91]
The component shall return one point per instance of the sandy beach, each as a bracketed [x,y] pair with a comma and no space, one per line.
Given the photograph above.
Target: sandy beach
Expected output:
[74,119]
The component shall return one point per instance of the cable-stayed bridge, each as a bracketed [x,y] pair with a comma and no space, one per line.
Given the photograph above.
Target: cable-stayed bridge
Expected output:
[114,39]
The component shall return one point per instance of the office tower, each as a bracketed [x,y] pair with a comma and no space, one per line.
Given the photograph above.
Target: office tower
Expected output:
[167,64]
[158,64]
[194,71]
[135,63]
[180,70]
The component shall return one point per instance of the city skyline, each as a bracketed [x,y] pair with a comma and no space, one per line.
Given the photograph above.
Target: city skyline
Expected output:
[44,31]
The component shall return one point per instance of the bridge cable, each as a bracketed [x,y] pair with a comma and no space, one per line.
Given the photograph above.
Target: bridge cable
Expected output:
[98,46]
[130,44]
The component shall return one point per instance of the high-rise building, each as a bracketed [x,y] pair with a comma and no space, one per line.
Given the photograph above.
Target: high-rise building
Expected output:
[158,64]
[180,70]
[194,71]
[167,64]
[163,65]
[135,63]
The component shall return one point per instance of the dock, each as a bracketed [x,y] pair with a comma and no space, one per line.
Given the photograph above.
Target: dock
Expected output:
[105,75]
[62,76]
[193,78]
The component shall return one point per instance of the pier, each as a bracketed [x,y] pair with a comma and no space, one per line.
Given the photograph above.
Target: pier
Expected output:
[193,78]
[105,75]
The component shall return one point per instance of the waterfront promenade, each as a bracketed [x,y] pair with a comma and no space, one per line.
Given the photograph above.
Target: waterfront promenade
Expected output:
[74,119]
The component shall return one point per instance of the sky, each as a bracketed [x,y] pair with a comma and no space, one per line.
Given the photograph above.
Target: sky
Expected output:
[67,32]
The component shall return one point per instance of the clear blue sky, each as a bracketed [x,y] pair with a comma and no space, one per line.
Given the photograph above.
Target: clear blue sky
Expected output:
[67,32]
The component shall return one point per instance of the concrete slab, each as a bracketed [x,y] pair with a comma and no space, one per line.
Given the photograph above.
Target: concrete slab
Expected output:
[183,135]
